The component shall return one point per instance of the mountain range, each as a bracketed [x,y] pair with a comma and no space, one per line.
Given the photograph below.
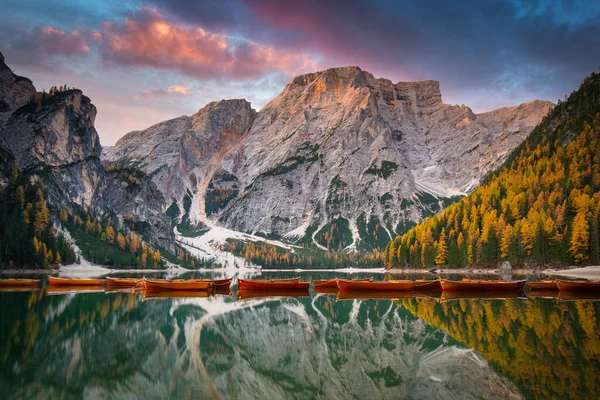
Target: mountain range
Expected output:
[339,160]
[336,151]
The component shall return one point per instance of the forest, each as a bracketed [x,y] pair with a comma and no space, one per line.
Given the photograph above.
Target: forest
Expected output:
[27,237]
[271,256]
[542,207]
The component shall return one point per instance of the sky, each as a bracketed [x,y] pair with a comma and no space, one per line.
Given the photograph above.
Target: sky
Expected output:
[142,62]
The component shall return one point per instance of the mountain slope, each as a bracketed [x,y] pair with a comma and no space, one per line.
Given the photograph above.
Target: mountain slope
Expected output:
[542,206]
[51,138]
[326,160]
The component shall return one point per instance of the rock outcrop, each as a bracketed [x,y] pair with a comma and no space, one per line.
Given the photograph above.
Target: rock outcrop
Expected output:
[15,91]
[337,153]
[52,137]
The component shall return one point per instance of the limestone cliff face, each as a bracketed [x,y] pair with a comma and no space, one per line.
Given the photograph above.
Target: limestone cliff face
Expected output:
[52,137]
[337,151]
[183,154]
[15,91]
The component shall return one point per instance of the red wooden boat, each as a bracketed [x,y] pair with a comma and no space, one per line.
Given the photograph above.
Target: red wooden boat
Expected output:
[244,284]
[332,283]
[123,282]
[476,285]
[15,283]
[275,292]
[75,281]
[374,294]
[427,285]
[219,282]
[349,285]
[543,285]
[578,286]
[177,284]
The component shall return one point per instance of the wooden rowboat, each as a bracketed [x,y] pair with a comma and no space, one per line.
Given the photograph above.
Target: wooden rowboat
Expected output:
[244,284]
[374,294]
[578,286]
[291,280]
[177,284]
[75,281]
[477,285]
[332,283]
[123,282]
[219,282]
[12,282]
[349,285]
[268,293]
[427,285]
[543,285]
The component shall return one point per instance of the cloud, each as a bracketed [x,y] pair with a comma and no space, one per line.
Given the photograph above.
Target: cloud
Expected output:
[149,39]
[175,90]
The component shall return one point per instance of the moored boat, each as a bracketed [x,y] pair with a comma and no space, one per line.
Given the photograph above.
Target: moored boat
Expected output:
[543,285]
[578,286]
[476,285]
[332,283]
[244,284]
[425,285]
[124,282]
[177,284]
[219,282]
[75,281]
[398,285]
[18,282]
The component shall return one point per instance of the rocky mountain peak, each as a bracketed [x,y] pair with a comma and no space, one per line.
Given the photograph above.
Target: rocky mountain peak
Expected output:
[15,91]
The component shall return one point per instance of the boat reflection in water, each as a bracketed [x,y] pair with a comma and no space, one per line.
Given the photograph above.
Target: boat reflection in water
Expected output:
[273,293]
[276,345]
[366,295]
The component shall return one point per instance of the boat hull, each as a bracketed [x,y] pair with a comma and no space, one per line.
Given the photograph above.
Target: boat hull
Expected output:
[578,286]
[174,285]
[332,283]
[543,285]
[219,282]
[271,285]
[432,285]
[349,285]
[75,281]
[123,282]
[481,286]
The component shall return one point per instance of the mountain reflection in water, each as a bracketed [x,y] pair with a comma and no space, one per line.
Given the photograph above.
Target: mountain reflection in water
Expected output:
[122,345]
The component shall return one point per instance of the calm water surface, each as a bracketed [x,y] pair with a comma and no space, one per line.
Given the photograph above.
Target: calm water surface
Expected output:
[121,345]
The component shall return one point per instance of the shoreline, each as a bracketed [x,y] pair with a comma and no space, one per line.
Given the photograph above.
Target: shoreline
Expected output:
[85,271]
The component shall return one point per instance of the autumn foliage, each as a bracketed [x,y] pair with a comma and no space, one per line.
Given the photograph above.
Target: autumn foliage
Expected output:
[542,206]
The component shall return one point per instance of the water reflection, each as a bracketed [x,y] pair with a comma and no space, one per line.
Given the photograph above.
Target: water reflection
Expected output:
[321,346]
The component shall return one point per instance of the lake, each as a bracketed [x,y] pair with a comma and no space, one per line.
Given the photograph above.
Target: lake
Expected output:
[125,345]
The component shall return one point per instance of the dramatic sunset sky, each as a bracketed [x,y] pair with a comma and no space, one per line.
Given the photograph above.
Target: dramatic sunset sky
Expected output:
[142,62]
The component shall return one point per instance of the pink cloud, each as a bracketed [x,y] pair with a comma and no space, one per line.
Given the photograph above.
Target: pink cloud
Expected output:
[55,41]
[175,90]
[149,39]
